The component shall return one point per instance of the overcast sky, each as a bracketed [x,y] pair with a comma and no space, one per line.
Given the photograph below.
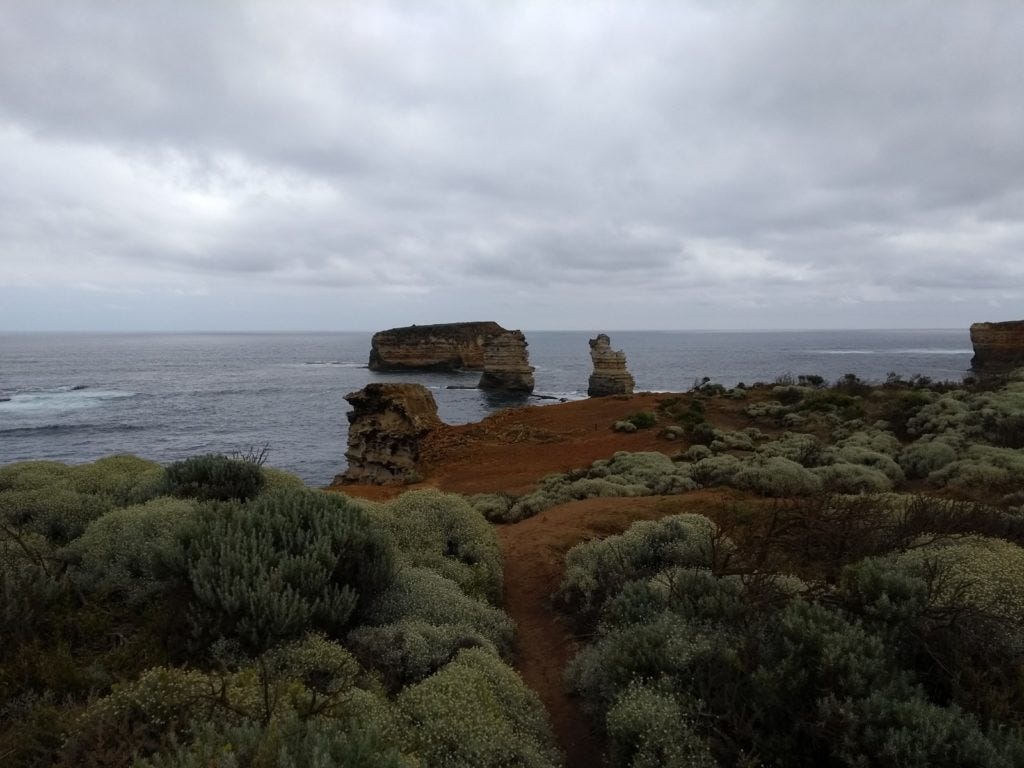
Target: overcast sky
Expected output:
[570,165]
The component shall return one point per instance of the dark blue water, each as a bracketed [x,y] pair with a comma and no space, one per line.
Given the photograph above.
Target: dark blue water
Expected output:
[78,397]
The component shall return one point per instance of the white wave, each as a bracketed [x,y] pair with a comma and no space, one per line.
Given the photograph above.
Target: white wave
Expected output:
[60,400]
[841,352]
[933,351]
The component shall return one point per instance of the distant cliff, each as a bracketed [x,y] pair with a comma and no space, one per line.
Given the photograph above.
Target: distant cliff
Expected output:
[997,346]
[442,347]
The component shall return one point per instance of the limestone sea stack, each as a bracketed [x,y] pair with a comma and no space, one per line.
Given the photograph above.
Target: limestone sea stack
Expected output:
[507,364]
[386,424]
[610,376]
[440,347]
[998,347]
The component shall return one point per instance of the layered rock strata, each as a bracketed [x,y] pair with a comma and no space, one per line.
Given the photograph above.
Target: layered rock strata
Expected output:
[997,346]
[610,376]
[440,347]
[507,364]
[386,424]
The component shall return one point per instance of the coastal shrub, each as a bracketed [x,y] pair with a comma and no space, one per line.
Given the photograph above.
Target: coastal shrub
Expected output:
[624,426]
[729,440]
[983,468]
[844,477]
[132,553]
[697,452]
[276,479]
[899,410]
[406,652]
[855,454]
[213,477]
[715,470]
[927,455]
[34,475]
[420,594]
[948,413]
[124,478]
[674,432]
[788,394]
[443,532]
[477,713]
[58,513]
[648,469]
[702,433]
[767,409]
[776,476]
[800,447]
[877,440]
[596,570]
[844,405]
[642,419]
[287,562]
[647,728]
[495,507]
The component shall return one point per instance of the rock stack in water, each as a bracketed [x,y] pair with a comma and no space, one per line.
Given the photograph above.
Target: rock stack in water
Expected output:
[507,363]
[386,425]
[998,347]
[441,347]
[610,376]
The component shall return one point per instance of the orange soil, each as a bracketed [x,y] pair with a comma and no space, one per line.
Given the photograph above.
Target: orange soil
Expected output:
[510,451]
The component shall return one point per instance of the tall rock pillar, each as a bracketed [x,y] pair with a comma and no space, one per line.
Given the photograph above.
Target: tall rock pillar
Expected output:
[507,363]
[386,424]
[610,376]
[998,347]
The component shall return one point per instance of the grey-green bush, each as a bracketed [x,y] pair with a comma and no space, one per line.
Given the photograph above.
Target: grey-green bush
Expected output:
[213,477]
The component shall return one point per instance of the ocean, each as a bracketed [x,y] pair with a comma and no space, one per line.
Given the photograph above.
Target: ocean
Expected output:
[76,397]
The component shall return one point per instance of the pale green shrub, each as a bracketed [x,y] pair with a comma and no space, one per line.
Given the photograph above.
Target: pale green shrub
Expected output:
[624,426]
[123,477]
[276,479]
[132,553]
[853,478]
[728,440]
[927,455]
[56,512]
[769,409]
[716,470]
[598,569]
[985,468]
[856,454]
[802,448]
[655,471]
[877,440]
[34,475]
[495,507]
[477,713]
[697,452]
[648,729]
[421,594]
[409,651]
[776,476]
[443,531]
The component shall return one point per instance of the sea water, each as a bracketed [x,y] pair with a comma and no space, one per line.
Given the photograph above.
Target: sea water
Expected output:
[77,397]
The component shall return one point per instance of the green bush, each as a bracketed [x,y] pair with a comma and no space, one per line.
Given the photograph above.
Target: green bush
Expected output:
[856,454]
[716,470]
[132,553]
[34,475]
[420,594]
[443,532]
[776,476]
[495,507]
[213,477]
[802,448]
[277,479]
[406,652]
[57,512]
[642,419]
[475,713]
[647,728]
[983,468]
[596,570]
[289,562]
[927,455]
[853,478]
[124,478]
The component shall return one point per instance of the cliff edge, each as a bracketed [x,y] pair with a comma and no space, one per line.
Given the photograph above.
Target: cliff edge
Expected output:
[997,346]
[439,347]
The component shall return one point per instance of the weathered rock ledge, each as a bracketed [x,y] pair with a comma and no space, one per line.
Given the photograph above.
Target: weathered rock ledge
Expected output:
[610,376]
[439,347]
[386,424]
[507,364]
[997,346]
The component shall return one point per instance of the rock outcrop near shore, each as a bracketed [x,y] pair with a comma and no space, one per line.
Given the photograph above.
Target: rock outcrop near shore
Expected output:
[507,364]
[997,346]
[610,376]
[386,424]
[440,347]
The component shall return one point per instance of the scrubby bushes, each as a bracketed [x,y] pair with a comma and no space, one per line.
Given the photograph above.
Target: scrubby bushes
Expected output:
[900,659]
[213,477]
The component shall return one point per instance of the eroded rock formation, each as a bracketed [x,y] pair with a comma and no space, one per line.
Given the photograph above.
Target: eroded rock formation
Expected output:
[610,376]
[441,347]
[386,424]
[997,346]
[507,363]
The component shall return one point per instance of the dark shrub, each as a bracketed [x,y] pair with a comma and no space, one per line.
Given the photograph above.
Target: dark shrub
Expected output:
[291,561]
[642,419]
[214,477]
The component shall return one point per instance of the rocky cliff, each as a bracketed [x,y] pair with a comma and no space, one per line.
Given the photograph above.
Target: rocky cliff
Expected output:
[507,363]
[610,376]
[997,346]
[386,424]
[441,347]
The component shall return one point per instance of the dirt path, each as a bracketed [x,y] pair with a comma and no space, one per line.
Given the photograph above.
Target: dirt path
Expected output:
[534,552]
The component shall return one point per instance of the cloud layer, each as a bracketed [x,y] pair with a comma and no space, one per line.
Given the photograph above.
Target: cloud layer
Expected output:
[573,165]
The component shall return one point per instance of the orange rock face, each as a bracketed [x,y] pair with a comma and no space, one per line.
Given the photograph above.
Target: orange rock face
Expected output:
[610,376]
[386,425]
[997,346]
[441,347]
[507,364]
